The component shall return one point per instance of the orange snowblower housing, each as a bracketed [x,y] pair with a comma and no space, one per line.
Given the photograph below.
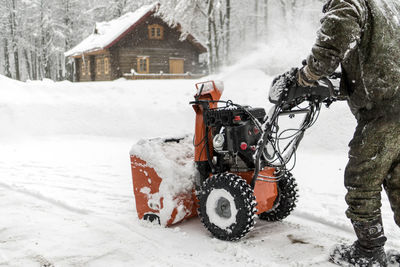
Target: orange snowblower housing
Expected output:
[161,176]
[210,92]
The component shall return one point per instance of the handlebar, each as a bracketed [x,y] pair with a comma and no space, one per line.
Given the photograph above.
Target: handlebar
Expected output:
[287,93]
[332,92]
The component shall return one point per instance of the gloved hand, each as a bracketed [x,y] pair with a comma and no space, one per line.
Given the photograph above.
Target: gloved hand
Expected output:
[306,78]
[281,84]
[286,79]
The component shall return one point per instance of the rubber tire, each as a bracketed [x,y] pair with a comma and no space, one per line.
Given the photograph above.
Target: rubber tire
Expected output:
[286,200]
[245,203]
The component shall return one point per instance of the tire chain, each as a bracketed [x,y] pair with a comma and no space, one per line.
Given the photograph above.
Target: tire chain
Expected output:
[286,202]
[237,183]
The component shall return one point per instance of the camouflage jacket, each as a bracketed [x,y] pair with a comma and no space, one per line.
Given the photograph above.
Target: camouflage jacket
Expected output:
[363,36]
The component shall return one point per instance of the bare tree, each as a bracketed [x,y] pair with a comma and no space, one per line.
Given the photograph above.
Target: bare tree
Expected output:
[266,19]
[228,31]
[7,71]
[255,19]
[210,14]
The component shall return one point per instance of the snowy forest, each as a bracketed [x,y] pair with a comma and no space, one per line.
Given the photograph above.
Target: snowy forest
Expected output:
[36,33]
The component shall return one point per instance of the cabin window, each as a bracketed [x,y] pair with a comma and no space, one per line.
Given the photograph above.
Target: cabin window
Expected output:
[156,32]
[88,67]
[98,64]
[143,64]
[106,65]
[83,68]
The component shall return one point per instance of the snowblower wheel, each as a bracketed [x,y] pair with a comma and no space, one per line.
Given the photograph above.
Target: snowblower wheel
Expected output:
[227,206]
[286,200]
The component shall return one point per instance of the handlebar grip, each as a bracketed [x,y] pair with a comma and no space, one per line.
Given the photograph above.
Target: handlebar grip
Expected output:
[330,86]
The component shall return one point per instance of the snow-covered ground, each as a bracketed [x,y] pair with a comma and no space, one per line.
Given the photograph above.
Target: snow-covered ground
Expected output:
[66,193]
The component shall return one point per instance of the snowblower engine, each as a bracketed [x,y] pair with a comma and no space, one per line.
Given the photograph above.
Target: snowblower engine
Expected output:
[235,135]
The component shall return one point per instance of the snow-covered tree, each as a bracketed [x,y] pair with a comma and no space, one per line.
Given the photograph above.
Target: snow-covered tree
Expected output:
[4,40]
[36,33]
[10,28]
[209,18]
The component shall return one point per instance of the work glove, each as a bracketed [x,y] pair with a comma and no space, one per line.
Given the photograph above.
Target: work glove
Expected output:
[286,79]
[306,78]
[282,83]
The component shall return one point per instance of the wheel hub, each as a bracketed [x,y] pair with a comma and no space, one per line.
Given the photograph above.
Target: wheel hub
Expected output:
[220,208]
[223,208]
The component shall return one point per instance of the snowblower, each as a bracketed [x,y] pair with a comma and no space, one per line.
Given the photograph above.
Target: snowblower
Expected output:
[240,166]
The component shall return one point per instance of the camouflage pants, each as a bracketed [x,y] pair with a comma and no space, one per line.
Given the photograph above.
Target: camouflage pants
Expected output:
[374,161]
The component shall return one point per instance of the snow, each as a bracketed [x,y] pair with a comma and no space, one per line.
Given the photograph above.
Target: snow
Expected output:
[390,10]
[277,88]
[108,31]
[66,189]
[173,163]
[207,87]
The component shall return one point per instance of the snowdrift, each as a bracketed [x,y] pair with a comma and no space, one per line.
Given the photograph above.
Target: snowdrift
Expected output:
[141,109]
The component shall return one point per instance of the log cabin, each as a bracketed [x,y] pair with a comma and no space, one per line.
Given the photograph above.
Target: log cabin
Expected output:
[138,45]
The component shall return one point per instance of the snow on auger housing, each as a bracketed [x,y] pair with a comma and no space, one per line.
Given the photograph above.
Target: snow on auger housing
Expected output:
[241,167]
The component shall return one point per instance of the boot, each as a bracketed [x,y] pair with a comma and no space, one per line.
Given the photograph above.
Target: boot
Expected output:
[367,251]
[393,257]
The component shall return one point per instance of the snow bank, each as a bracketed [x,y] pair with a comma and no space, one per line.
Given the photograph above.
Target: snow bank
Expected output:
[115,109]
[148,109]
[7,85]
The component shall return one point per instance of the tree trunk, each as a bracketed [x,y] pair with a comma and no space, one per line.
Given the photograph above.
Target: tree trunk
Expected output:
[60,69]
[222,36]
[256,20]
[228,31]
[68,23]
[266,23]
[45,51]
[209,37]
[16,62]
[14,45]
[69,70]
[27,64]
[13,35]
[7,71]
[216,46]
[284,10]
[40,69]
[35,65]
[292,13]
[39,59]
[47,67]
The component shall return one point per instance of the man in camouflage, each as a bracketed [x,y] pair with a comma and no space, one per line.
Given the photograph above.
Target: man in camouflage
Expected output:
[363,36]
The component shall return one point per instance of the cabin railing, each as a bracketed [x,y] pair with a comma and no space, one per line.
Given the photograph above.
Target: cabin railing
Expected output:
[143,76]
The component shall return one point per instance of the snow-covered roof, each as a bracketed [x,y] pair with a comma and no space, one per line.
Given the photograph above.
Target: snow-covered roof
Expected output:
[108,32]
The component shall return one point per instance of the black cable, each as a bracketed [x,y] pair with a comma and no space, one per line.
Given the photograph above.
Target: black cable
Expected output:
[290,136]
[201,141]
[201,152]
[278,137]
